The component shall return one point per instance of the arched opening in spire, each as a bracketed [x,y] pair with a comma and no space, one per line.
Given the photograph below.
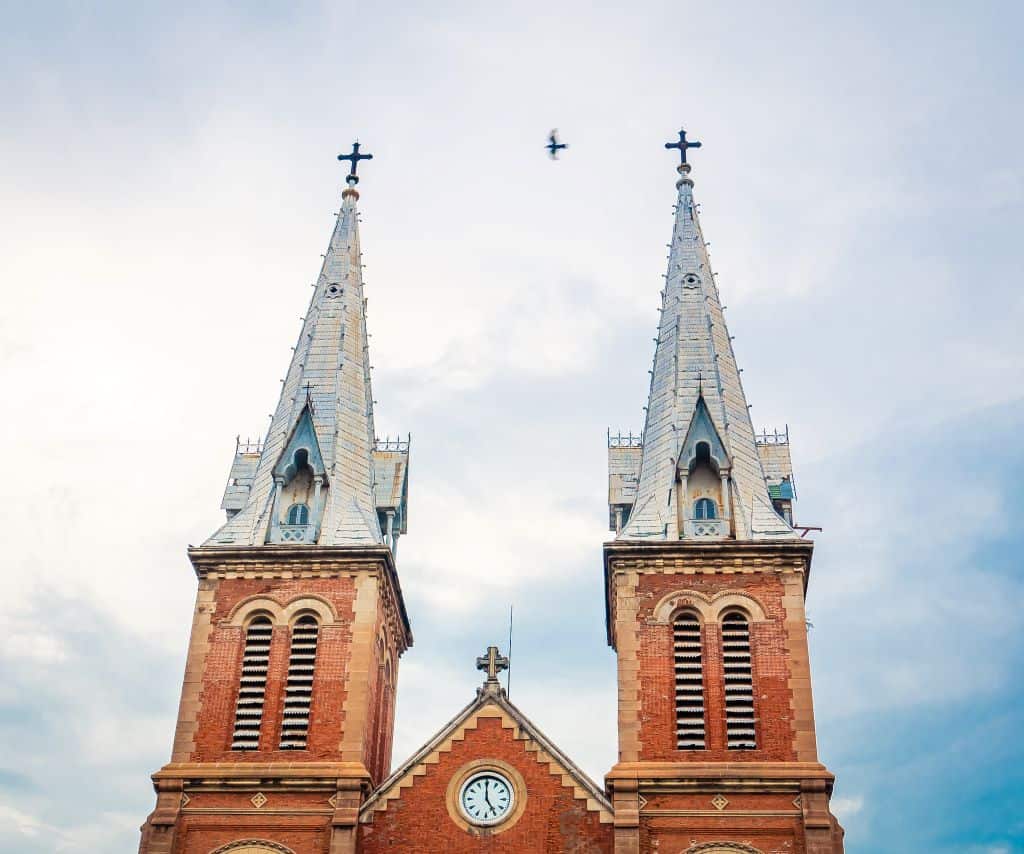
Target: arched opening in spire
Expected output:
[300,483]
[702,479]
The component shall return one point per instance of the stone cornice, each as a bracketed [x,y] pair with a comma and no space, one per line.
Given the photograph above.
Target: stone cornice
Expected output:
[684,776]
[307,559]
[257,773]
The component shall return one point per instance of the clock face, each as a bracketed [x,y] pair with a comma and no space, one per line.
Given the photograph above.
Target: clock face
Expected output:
[486,798]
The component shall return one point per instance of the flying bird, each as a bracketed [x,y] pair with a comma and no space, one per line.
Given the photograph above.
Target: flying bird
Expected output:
[554,146]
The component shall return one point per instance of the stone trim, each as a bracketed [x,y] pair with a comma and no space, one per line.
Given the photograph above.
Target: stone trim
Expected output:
[628,665]
[195,666]
[283,614]
[476,765]
[801,702]
[721,848]
[252,846]
[356,709]
[710,608]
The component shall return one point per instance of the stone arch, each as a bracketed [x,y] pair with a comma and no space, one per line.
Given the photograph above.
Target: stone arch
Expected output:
[722,848]
[283,615]
[249,607]
[733,601]
[683,600]
[310,604]
[252,846]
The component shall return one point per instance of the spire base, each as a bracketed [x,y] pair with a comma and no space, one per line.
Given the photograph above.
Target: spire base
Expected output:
[351,192]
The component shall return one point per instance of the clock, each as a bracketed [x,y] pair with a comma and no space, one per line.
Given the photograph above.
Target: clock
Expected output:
[486,798]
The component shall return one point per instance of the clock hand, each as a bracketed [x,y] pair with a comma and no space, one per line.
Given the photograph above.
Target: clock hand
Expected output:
[486,787]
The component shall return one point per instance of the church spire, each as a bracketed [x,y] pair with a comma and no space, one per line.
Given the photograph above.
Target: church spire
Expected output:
[312,481]
[700,474]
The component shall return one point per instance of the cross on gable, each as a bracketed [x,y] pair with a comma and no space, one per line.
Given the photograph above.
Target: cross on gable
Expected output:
[493,662]
[682,145]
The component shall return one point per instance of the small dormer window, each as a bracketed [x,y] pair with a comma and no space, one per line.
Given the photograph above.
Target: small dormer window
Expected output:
[704,508]
[298,514]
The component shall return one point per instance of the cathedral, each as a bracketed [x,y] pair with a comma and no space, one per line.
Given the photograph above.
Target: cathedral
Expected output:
[284,730]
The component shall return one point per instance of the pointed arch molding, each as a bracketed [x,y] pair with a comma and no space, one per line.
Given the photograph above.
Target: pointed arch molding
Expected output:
[282,614]
[710,608]
[722,848]
[252,846]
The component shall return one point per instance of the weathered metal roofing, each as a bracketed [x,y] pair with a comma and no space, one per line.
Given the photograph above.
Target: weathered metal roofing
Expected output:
[694,355]
[331,367]
[778,466]
[391,481]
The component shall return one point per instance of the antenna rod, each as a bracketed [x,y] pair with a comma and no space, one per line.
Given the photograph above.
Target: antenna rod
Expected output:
[508,676]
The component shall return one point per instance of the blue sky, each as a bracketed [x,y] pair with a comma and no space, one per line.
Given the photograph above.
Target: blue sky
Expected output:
[169,182]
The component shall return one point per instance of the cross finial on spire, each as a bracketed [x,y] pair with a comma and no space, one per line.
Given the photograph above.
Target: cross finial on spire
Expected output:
[352,179]
[682,145]
[493,662]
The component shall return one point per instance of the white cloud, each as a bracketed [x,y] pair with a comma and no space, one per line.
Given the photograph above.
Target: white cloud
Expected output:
[845,808]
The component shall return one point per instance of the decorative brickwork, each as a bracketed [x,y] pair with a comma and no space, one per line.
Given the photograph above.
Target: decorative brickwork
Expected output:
[283,795]
[555,817]
[715,796]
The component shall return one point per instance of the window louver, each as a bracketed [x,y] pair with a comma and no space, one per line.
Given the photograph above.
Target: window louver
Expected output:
[299,690]
[689,683]
[739,683]
[253,687]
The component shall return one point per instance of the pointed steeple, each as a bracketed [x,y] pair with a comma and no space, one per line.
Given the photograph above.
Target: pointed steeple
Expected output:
[697,410]
[313,482]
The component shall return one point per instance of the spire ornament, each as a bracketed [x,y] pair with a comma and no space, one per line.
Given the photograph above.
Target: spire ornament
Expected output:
[352,178]
[682,145]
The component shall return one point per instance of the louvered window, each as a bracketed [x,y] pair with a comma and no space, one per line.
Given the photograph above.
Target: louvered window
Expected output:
[689,683]
[739,683]
[298,693]
[253,687]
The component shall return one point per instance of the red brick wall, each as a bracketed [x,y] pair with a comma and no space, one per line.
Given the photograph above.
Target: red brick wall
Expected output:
[223,670]
[772,834]
[772,697]
[302,834]
[553,821]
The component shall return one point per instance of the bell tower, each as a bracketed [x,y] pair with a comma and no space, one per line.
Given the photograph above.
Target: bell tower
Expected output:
[287,708]
[705,581]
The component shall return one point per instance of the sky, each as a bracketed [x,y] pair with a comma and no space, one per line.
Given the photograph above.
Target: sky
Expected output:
[169,182]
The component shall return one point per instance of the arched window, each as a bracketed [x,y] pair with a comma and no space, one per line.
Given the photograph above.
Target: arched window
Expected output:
[298,514]
[704,508]
[252,686]
[298,694]
[739,682]
[689,670]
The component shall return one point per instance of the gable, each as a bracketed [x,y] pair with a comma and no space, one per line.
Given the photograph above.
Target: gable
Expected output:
[556,805]
[702,429]
[303,438]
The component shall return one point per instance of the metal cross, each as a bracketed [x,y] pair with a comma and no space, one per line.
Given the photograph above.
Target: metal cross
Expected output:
[682,145]
[354,158]
[493,662]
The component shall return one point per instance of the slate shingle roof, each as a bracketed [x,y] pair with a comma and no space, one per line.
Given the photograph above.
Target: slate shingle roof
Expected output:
[693,354]
[332,359]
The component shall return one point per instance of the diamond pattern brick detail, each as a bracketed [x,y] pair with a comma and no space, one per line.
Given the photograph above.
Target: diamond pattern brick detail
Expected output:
[258,800]
[719,802]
